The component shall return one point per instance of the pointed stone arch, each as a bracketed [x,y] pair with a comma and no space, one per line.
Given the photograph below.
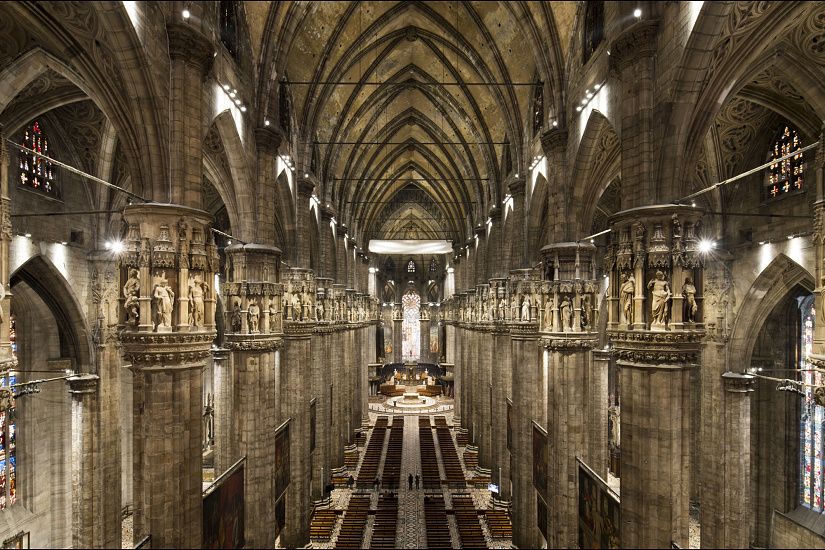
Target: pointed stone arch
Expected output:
[75,334]
[767,290]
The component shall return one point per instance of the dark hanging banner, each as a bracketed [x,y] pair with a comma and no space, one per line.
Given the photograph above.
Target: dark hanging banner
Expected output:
[312,423]
[509,425]
[599,511]
[540,460]
[280,516]
[223,510]
[541,511]
[282,479]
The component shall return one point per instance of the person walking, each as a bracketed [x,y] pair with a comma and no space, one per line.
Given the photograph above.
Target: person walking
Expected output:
[416,481]
[351,481]
[409,481]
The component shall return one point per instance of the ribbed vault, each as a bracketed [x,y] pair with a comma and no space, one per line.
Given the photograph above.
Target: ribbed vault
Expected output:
[421,93]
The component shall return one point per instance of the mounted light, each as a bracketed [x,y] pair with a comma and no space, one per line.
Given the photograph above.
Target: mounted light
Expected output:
[186,14]
[706,245]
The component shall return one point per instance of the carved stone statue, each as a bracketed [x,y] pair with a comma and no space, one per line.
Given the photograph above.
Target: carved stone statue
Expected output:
[586,311]
[296,307]
[254,316]
[197,288]
[131,292]
[319,309]
[689,292]
[513,309]
[525,310]
[548,313]
[566,313]
[502,308]
[236,318]
[164,299]
[661,294]
[626,297]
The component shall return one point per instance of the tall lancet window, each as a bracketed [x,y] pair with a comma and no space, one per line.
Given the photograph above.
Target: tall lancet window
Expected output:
[229,28]
[35,172]
[593,29]
[411,266]
[812,414]
[784,176]
[8,435]
[410,326]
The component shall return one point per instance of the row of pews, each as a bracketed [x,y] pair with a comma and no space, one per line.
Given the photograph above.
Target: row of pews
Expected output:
[372,456]
[355,519]
[322,524]
[429,460]
[499,523]
[435,519]
[449,457]
[392,463]
[386,520]
[466,519]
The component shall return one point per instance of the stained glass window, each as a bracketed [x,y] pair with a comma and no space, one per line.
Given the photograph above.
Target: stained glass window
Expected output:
[593,28]
[283,109]
[8,449]
[433,265]
[35,172]
[538,107]
[410,326]
[784,176]
[229,29]
[411,267]
[812,415]
[389,265]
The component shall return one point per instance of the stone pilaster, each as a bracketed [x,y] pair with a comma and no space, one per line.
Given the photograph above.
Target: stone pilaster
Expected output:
[424,327]
[252,295]
[397,319]
[576,396]
[554,144]
[657,259]
[167,340]
[494,268]
[87,477]
[481,253]
[485,366]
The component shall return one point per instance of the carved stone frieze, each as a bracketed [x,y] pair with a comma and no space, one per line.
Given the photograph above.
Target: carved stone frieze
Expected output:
[250,343]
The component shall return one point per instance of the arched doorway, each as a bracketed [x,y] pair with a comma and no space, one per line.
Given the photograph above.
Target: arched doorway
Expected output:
[410,326]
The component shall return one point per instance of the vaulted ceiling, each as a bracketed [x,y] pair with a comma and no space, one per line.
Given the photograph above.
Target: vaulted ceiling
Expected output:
[417,96]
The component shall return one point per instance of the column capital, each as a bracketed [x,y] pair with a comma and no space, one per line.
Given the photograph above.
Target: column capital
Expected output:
[494,213]
[327,213]
[188,44]
[305,188]
[637,41]
[268,140]
[480,231]
[553,140]
[86,383]
[517,187]
[738,382]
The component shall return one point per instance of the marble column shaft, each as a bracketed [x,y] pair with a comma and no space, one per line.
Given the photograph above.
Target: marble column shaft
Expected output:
[655,455]
[485,360]
[226,447]
[335,380]
[296,353]
[527,394]
[502,380]
[321,371]
[87,478]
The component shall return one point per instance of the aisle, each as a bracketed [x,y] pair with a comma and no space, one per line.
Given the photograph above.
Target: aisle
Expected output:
[411,529]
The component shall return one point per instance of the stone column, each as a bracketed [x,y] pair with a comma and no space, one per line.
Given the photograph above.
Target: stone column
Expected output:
[165,244]
[226,448]
[87,478]
[397,319]
[633,57]
[481,252]
[424,327]
[502,380]
[518,256]
[576,397]
[554,144]
[267,143]
[655,357]
[493,251]
[485,365]
[305,188]
[327,252]
[254,289]
[191,58]
[297,353]
[526,361]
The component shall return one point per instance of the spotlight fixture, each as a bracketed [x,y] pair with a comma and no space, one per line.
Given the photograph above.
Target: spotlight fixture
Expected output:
[637,12]
[186,14]
[226,86]
[28,235]
[706,246]
[243,108]
[266,122]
